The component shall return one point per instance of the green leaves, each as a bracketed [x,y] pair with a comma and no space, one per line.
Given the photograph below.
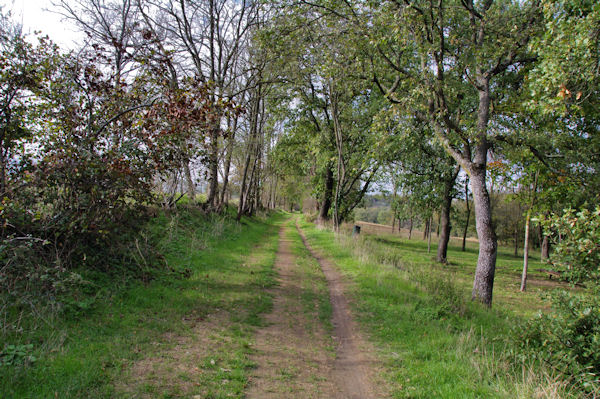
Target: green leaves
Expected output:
[566,81]
[17,355]
[568,338]
[576,237]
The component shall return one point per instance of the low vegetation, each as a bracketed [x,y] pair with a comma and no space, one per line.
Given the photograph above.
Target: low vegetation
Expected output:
[121,159]
[216,268]
[436,341]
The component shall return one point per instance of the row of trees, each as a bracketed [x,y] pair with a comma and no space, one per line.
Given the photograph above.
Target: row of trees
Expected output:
[272,101]
[439,87]
[161,94]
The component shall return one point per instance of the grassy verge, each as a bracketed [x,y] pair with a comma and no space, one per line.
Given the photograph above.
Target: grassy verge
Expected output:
[94,354]
[434,341]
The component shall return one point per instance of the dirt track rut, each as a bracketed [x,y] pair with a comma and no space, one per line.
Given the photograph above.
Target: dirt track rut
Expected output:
[352,366]
[296,355]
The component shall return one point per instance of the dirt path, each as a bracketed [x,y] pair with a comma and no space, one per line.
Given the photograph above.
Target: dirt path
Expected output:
[354,369]
[297,355]
[294,354]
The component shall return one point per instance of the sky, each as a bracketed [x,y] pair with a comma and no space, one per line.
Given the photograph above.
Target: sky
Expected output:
[38,15]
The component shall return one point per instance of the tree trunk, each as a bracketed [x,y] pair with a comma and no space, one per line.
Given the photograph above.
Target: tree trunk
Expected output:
[444,236]
[444,220]
[327,195]
[393,206]
[250,150]
[230,141]
[341,171]
[516,240]
[526,239]
[545,248]
[213,165]
[410,228]
[544,244]
[191,188]
[464,241]
[483,283]
[429,235]
[3,178]
[526,251]
[246,206]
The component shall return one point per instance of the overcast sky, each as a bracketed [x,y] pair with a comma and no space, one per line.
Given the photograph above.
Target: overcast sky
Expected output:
[38,15]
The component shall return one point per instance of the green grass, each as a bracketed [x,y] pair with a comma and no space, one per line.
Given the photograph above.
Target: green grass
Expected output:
[312,281]
[434,341]
[461,265]
[93,355]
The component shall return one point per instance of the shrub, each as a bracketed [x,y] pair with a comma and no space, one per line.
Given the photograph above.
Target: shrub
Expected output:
[567,339]
[576,243]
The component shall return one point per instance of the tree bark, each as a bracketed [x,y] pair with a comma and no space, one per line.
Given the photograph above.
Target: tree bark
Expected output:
[213,168]
[464,241]
[444,237]
[410,228]
[3,178]
[191,188]
[250,150]
[545,248]
[526,239]
[526,251]
[444,223]
[327,194]
[230,141]
[483,283]
[429,235]
[516,240]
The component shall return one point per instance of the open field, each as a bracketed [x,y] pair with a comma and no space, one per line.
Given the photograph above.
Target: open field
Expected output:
[382,229]
[461,265]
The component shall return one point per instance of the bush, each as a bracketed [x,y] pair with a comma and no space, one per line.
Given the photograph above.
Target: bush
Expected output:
[576,243]
[568,339]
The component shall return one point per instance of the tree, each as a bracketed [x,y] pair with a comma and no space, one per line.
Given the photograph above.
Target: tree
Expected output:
[425,171]
[26,69]
[454,64]
[336,112]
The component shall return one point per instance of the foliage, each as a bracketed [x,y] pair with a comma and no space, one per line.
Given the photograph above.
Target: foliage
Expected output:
[370,214]
[576,237]
[328,113]
[566,80]
[568,339]
[17,355]
[81,150]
